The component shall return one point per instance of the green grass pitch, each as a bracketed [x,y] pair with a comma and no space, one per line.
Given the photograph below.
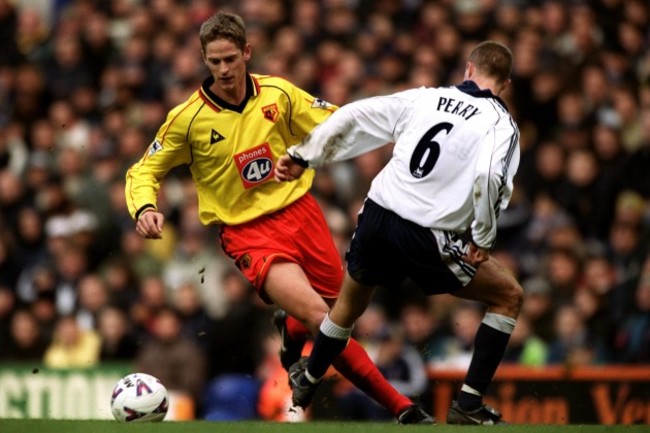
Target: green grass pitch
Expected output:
[70,426]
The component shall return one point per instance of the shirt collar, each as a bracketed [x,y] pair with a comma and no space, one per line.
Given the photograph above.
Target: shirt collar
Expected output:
[471,88]
[252,89]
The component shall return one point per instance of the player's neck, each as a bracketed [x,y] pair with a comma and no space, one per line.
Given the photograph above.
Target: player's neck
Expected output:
[487,84]
[234,95]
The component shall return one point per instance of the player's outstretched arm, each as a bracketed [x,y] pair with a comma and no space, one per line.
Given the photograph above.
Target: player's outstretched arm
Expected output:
[287,169]
[150,224]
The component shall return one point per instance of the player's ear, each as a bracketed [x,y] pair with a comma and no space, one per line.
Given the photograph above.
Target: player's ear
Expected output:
[505,84]
[469,70]
[247,52]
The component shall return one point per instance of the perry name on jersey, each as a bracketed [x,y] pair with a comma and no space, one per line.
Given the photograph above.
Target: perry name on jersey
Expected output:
[456,152]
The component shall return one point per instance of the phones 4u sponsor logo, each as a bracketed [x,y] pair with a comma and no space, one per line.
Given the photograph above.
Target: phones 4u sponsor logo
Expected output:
[255,165]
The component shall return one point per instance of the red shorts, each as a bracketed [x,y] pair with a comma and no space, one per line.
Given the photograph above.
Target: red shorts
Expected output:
[299,234]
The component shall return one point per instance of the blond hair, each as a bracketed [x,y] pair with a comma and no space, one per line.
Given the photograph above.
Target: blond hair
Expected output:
[223,25]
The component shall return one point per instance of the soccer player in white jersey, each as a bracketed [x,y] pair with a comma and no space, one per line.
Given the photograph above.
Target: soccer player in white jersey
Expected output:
[430,213]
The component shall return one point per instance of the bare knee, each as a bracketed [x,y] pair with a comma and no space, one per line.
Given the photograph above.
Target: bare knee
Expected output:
[289,288]
[501,295]
[314,316]
[511,299]
[496,287]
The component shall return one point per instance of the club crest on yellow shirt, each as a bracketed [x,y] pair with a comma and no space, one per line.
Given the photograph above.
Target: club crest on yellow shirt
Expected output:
[271,112]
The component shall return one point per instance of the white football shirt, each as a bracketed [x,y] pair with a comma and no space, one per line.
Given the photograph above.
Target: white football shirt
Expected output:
[455,155]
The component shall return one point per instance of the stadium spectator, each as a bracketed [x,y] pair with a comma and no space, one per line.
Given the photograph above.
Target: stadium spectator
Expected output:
[588,198]
[524,347]
[30,239]
[195,261]
[70,265]
[539,306]
[545,174]
[26,342]
[196,322]
[7,307]
[563,270]
[9,269]
[150,301]
[423,329]
[118,343]
[11,55]
[235,337]
[72,346]
[142,260]
[176,360]
[593,311]
[637,177]
[92,297]
[611,156]
[456,349]
[32,35]
[573,344]
[121,280]
[633,339]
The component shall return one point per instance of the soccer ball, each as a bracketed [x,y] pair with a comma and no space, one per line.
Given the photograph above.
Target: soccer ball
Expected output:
[139,397]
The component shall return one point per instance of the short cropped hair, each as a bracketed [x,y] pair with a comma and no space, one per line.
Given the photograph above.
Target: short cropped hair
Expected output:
[492,59]
[223,25]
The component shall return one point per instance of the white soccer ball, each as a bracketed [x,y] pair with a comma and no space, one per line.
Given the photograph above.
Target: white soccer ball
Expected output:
[139,397]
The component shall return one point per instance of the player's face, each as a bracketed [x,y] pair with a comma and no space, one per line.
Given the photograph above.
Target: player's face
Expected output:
[227,65]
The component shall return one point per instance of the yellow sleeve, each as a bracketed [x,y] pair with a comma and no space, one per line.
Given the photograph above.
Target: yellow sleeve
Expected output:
[308,112]
[168,150]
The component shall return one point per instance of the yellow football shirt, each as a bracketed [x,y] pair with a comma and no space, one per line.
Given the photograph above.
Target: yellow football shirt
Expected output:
[231,150]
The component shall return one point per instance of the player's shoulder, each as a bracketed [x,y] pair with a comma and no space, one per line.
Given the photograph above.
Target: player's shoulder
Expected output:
[273,81]
[453,92]
[403,98]
[187,107]
[483,97]
[279,86]
[414,93]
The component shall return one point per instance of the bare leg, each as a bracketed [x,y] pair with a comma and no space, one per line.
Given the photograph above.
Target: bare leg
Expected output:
[352,302]
[288,287]
[496,287]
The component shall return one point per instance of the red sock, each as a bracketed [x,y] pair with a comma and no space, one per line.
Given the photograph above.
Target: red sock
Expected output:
[355,365]
[296,330]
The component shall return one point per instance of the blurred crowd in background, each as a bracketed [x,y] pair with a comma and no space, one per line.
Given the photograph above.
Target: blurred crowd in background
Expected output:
[85,84]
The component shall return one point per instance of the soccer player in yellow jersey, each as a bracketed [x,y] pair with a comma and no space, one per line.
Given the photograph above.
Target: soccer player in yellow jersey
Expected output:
[230,133]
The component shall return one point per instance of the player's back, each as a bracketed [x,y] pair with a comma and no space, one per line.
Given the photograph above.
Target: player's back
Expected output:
[444,139]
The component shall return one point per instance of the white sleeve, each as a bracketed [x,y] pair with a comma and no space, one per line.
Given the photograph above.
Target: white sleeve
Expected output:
[493,183]
[353,129]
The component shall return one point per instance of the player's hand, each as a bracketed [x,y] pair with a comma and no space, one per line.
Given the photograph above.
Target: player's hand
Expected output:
[476,255]
[286,169]
[150,224]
